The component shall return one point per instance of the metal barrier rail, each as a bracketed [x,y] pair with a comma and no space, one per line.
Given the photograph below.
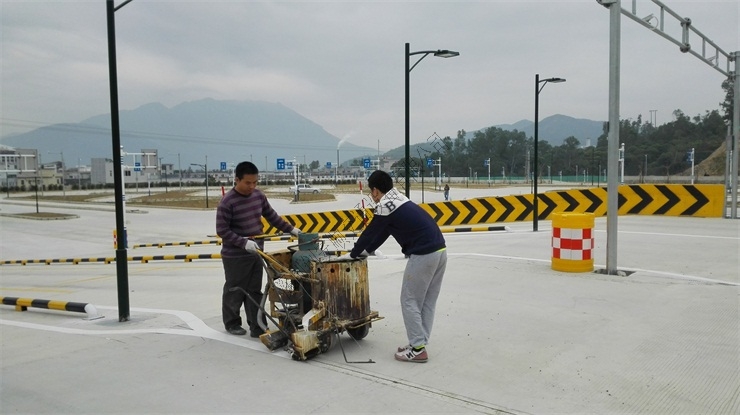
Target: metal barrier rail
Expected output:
[190,257]
[22,304]
[186,243]
[142,258]
[264,237]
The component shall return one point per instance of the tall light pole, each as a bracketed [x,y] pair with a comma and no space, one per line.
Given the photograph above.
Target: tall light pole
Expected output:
[124,309]
[439,53]
[537,89]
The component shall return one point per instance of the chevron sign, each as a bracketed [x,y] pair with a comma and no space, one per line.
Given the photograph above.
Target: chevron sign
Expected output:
[667,200]
[324,222]
[705,200]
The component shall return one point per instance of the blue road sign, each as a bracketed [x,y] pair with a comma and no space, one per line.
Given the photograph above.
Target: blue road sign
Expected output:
[328,164]
[223,166]
[281,164]
[430,162]
[366,163]
[137,166]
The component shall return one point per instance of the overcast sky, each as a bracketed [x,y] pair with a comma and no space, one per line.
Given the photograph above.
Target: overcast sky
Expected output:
[341,63]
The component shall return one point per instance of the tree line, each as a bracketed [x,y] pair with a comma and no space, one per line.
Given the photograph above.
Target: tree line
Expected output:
[649,150]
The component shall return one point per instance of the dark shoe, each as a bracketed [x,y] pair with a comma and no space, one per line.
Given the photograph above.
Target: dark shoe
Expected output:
[237,330]
[256,332]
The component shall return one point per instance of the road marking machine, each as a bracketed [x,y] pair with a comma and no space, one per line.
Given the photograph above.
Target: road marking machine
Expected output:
[313,298]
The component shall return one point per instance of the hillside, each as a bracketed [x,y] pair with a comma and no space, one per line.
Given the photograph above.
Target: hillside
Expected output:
[222,131]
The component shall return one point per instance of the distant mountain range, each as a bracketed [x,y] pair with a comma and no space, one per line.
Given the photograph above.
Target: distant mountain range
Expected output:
[230,131]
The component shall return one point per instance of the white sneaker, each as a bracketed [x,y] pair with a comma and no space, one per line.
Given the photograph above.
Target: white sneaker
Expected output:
[411,355]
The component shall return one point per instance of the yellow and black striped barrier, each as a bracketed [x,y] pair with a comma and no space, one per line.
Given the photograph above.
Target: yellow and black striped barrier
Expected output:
[141,258]
[185,243]
[190,257]
[264,237]
[22,304]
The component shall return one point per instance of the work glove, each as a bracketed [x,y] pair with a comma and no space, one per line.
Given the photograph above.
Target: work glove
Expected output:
[251,246]
[296,232]
[376,254]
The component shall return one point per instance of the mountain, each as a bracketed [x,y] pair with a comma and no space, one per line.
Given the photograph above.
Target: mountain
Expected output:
[554,129]
[222,131]
[232,131]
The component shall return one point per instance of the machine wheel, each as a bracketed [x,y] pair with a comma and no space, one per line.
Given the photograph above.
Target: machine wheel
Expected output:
[359,333]
[325,342]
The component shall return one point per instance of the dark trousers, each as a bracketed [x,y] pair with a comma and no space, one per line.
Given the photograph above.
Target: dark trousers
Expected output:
[244,272]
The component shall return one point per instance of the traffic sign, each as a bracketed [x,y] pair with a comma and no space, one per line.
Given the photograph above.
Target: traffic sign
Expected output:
[328,164]
[366,163]
[137,166]
[223,166]
[281,164]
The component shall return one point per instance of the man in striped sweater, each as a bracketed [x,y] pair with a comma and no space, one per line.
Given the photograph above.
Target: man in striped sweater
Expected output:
[238,220]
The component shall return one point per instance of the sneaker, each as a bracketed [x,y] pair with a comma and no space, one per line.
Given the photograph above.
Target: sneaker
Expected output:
[412,355]
[402,348]
[237,330]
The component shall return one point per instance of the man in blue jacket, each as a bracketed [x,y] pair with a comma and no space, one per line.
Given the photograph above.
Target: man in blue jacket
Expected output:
[423,244]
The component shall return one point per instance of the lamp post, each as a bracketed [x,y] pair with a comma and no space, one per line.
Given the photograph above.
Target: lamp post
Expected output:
[205,170]
[537,89]
[442,53]
[124,309]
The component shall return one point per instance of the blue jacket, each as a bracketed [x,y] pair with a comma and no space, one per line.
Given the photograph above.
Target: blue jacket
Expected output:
[410,225]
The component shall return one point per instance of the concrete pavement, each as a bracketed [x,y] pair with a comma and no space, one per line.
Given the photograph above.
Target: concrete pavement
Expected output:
[511,334]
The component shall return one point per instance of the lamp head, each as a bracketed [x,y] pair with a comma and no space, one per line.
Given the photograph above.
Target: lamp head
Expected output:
[555,80]
[444,53]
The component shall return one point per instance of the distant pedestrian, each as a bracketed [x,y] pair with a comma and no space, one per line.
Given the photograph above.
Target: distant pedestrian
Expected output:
[447,192]
[238,220]
[423,244]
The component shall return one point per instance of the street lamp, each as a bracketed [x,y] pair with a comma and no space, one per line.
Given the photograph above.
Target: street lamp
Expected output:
[124,309]
[441,53]
[205,170]
[537,89]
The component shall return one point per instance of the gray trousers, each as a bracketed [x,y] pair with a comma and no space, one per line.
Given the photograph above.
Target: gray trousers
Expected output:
[422,281]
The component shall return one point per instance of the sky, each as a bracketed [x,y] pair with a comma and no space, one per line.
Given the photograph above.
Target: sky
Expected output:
[341,63]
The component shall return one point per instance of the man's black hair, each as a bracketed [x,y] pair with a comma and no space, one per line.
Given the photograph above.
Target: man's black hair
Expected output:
[245,167]
[380,180]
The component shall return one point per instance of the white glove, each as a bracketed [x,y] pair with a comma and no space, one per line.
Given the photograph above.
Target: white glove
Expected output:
[344,257]
[296,232]
[251,246]
[375,253]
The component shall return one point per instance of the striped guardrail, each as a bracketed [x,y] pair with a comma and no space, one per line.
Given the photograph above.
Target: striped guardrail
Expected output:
[190,257]
[141,258]
[22,304]
[186,243]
